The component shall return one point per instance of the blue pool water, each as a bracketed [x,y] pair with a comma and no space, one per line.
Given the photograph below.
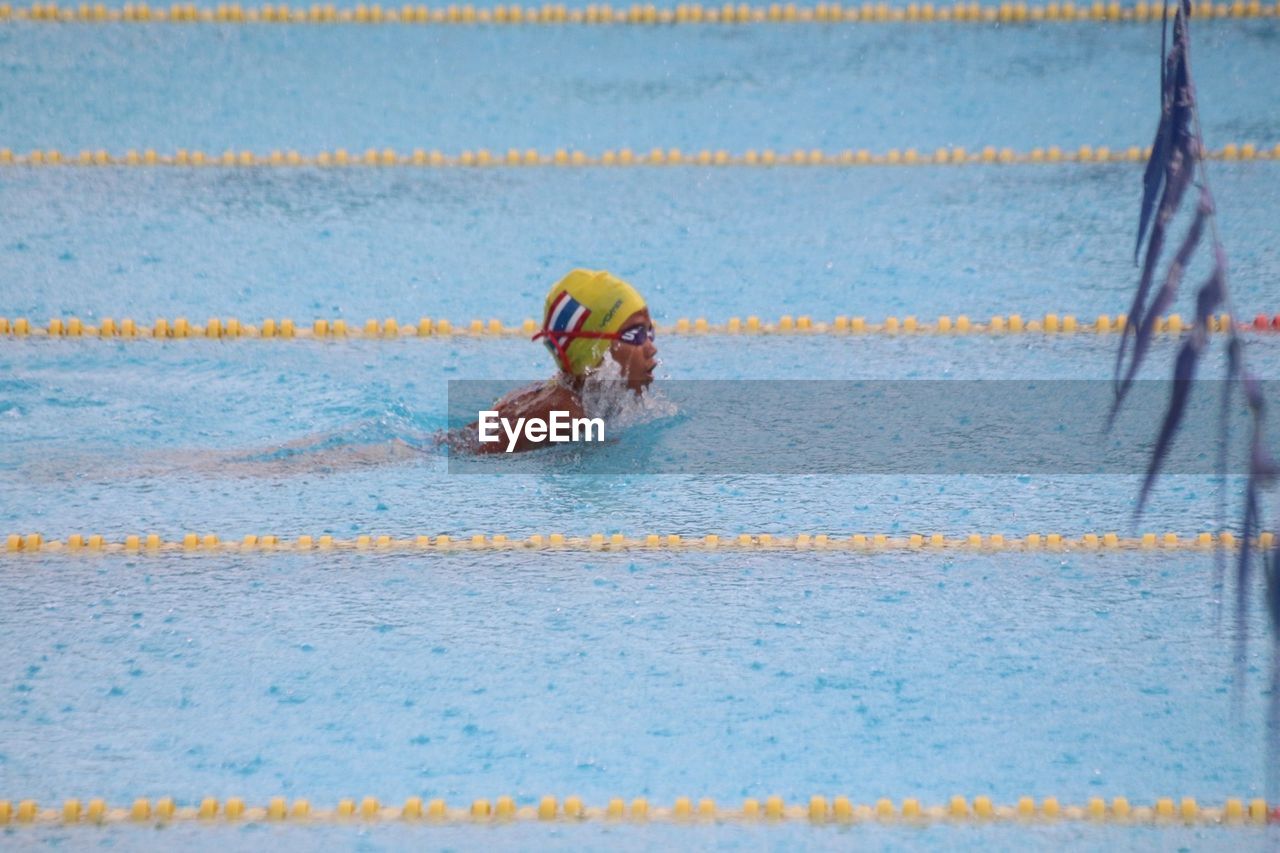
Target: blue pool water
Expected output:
[467,675]
[313,88]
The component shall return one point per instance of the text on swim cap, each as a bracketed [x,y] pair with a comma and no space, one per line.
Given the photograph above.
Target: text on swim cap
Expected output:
[560,427]
[609,314]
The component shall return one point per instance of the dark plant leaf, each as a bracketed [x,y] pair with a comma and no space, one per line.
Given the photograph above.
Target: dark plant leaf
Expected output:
[1208,298]
[1153,176]
[1172,166]
[1244,568]
[1213,292]
[1175,157]
[1164,297]
[1184,372]
[1215,289]
[1153,179]
[1273,589]
[1262,474]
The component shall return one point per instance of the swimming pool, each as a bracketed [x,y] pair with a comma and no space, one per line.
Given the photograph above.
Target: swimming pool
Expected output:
[731,673]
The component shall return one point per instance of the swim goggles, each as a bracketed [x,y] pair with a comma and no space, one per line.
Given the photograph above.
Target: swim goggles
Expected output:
[637,335]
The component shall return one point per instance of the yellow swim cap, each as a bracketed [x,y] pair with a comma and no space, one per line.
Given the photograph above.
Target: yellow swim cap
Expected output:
[584,312]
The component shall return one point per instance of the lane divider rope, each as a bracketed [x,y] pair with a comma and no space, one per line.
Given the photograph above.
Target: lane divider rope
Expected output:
[623,157]
[634,14]
[819,810]
[180,328]
[152,543]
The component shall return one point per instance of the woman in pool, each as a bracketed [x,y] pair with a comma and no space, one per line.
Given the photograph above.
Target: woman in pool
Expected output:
[590,314]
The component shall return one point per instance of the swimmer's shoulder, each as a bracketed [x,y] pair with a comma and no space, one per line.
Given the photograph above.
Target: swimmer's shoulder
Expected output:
[533,401]
[540,400]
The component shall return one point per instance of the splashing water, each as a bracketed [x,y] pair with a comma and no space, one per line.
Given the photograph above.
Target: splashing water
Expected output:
[605,395]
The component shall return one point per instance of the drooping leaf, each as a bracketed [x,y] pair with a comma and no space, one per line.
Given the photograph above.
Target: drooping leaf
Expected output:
[1272,589]
[1153,176]
[1164,297]
[1262,474]
[1208,298]
[1175,160]
[1224,435]
[1184,373]
[1179,171]
[1244,568]
[1169,172]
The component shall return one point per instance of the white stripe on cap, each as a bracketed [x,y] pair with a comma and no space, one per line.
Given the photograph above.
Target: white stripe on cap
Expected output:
[553,316]
[579,317]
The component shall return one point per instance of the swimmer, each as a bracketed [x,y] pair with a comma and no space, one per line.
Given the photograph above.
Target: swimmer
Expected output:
[589,315]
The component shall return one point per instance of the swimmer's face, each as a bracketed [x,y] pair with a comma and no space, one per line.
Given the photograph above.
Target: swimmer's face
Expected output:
[636,360]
